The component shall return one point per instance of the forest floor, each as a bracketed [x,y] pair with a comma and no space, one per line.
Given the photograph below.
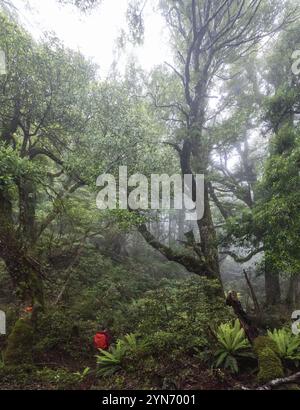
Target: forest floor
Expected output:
[62,378]
[89,384]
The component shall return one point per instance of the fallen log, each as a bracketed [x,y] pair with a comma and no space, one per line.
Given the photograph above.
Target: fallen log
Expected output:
[277,382]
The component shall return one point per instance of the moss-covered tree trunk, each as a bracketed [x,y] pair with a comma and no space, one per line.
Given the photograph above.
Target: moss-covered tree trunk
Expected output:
[24,270]
[208,237]
[26,277]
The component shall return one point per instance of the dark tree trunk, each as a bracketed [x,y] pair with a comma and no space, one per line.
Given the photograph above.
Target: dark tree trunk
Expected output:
[24,271]
[272,286]
[208,238]
[27,205]
[251,331]
[26,277]
[253,294]
[293,294]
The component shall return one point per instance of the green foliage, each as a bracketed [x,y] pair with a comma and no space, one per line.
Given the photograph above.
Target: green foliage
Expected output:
[110,362]
[83,375]
[162,341]
[60,127]
[61,331]
[60,379]
[277,209]
[13,167]
[288,345]
[234,345]
[188,304]
[175,318]
[132,343]
[27,375]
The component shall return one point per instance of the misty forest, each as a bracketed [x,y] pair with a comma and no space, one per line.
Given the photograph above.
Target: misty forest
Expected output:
[180,302]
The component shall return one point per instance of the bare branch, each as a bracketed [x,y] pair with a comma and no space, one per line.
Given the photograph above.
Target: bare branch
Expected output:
[243,259]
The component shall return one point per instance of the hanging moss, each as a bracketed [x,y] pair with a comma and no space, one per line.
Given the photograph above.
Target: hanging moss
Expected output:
[270,366]
[19,344]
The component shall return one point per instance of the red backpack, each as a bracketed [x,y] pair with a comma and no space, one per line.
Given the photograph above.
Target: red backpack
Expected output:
[101,341]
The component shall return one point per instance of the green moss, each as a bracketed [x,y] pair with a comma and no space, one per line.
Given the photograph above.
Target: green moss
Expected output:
[31,288]
[19,344]
[262,342]
[36,286]
[270,366]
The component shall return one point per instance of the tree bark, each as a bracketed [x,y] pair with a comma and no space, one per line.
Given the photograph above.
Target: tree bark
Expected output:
[251,331]
[292,298]
[272,286]
[253,295]
[192,264]
[27,205]
[24,271]
[208,237]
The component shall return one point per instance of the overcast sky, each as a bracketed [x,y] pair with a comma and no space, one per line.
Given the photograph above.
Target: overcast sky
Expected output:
[95,34]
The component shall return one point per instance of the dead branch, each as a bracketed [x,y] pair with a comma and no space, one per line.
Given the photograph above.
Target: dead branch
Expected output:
[277,382]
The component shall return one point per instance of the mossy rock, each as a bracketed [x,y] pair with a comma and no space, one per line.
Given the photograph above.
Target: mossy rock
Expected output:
[19,344]
[263,342]
[270,366]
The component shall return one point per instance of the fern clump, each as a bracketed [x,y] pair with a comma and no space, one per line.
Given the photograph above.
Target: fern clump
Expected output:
[120,356]
[288,345]
[233,344]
